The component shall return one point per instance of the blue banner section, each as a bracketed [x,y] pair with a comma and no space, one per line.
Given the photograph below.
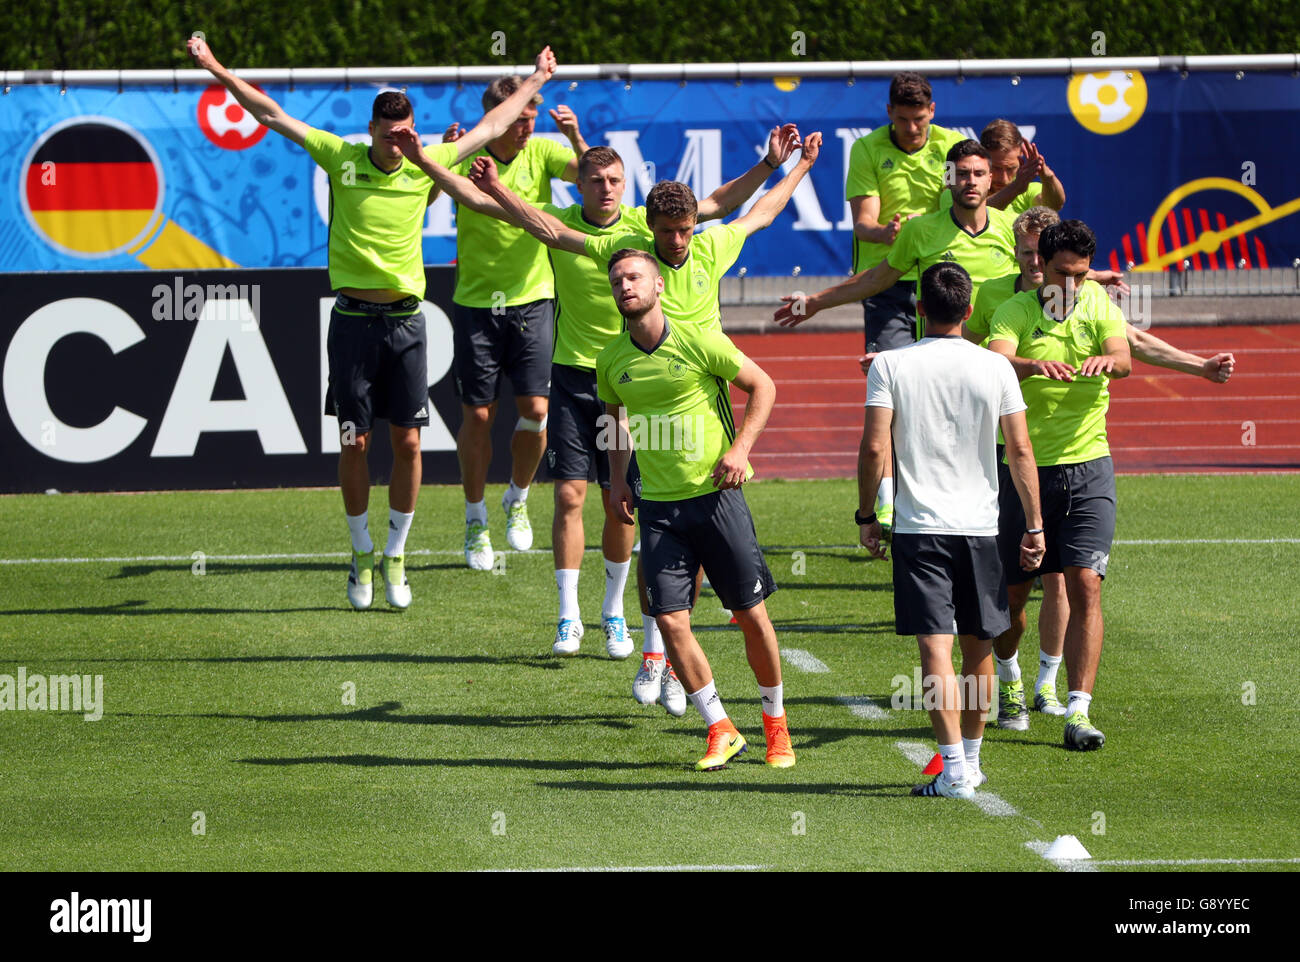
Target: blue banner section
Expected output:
[1164,167]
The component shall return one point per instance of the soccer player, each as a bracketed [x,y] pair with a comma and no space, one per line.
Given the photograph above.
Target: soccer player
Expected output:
[895,173]
[1013,712]
[376,339]
[586,320]
[1066,340]
[944,399]
[503,319]
[1014,163]
[668,380]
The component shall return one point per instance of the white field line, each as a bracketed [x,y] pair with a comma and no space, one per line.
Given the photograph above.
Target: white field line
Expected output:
[1064,864]
[987,802]
[1207,350]
[1198,861]
[805,661]
[638,868]
[426,552]
[863,707]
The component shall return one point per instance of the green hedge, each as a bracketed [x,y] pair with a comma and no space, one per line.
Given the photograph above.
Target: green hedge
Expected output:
[106,34]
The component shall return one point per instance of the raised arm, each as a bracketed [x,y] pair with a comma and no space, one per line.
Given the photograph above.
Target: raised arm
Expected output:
[540,224]
[774,201]
[459,188]
[1145,346]
[266,111]
[567,123]
[799,307]
[729,472]
[496,120]
[781,143]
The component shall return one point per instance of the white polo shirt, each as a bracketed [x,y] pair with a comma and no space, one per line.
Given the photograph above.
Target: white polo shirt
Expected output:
[947,395]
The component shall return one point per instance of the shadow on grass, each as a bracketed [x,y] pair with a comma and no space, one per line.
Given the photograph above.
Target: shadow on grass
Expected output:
[134,608]
[270,566]
[520,661]
[384,713]
[709,782]
[541,764]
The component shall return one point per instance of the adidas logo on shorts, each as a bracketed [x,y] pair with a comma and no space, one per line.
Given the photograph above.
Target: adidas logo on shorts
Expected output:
[758,585]
[423,412]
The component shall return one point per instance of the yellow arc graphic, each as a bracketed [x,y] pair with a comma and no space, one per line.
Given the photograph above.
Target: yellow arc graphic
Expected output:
[1211,240]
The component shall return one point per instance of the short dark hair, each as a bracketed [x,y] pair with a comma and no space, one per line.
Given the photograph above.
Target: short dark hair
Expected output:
[1001,135]
[1069,235]
[391,105]
[671,199]
[945,292]
[624,253]
[597,158]
[499,91]
[966,148]
[910,89]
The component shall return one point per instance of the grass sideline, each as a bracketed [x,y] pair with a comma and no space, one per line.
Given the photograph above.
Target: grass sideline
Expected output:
[470,747]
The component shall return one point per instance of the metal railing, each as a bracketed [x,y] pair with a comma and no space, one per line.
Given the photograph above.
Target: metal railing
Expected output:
[849,70]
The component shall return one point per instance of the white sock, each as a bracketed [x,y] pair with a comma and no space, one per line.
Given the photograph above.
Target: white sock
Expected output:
[399,526]
[1077,701]
[970,748]
[476,511]
[1008,669]
[653,643]
[516,493]
[773,700]
[359,527]
[708,704]
[615,582]
[954,762]
[566,579]
[885,493]
[1047,665]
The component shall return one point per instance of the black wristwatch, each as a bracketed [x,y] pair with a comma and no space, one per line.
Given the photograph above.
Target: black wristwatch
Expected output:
[869,519]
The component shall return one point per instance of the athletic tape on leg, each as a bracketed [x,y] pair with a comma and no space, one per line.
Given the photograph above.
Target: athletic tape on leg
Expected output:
[528,424]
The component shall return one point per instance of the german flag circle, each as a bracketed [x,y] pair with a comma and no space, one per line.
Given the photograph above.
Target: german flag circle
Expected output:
[94,187]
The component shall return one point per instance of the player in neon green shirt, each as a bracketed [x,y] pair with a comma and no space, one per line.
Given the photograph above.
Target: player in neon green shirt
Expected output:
[503,321]
[667,380]
[1013,710]
[1066,342]
[377,333]
[1014,163]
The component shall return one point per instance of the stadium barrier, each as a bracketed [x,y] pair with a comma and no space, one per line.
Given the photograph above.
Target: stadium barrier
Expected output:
[205,379]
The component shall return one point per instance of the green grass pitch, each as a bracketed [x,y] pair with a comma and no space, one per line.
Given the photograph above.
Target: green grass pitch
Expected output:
[470,747]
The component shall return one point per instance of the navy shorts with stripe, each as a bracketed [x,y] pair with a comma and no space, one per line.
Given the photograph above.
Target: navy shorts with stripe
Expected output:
[378,364]
[492,343]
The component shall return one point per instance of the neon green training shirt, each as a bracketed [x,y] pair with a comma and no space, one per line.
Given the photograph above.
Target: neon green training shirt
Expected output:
[678,406]
[690,294]
[376,219]
[1067,419]
[993,294]
[586,317]
[905,183]
[491,255]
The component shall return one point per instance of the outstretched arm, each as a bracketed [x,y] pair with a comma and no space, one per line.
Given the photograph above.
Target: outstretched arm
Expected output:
[1145,346]
[266,111]
[774,201]
[496,120]
[798,308]
[781,143]
[459,188]
[540,224]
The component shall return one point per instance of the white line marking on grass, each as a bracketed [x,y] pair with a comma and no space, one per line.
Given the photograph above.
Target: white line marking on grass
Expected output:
[1064,864]
[639,868]
[427,553]
[863,707]
[805,661]
[1198,861]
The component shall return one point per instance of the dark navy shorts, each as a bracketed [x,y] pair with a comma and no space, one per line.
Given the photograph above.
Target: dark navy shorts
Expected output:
[491,343]
[715,531]
[949,584]
[889,318]
[378,364]
[1078,503]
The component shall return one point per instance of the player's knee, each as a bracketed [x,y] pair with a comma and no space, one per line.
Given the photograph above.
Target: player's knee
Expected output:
[353,444]
[532,425]
[406,445]
[477,416]
[569,497]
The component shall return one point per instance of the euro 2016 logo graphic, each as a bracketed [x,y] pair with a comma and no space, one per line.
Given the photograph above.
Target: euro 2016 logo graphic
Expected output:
[1108,102]
[225,123]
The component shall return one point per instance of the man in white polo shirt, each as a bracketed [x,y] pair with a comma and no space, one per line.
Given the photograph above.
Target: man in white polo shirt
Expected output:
[944,399]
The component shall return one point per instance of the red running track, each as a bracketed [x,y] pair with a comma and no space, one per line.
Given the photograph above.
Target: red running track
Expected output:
[1159,420]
